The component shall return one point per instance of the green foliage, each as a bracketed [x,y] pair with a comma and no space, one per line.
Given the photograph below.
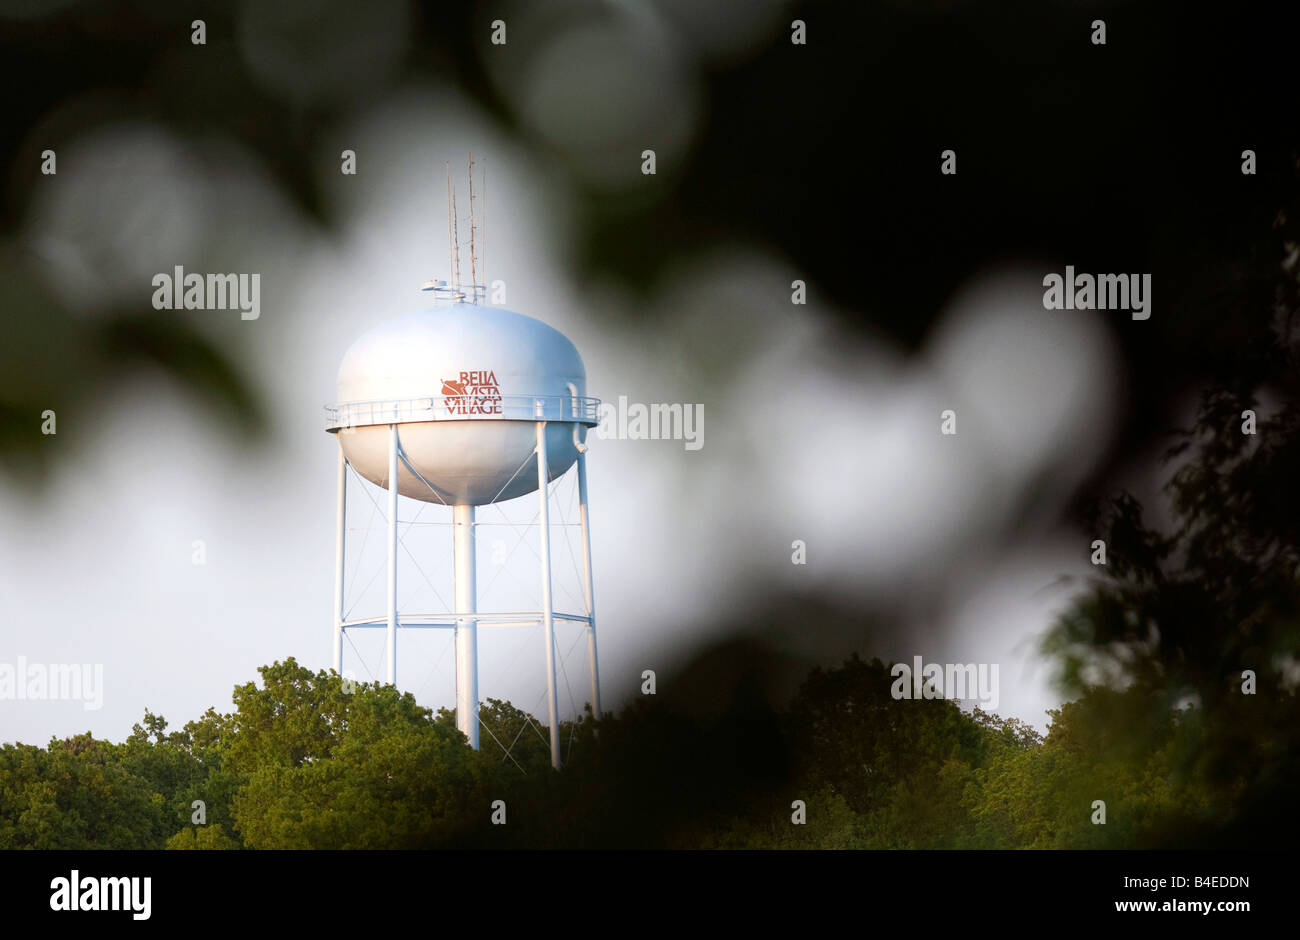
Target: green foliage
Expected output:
[202,837]
[301,763]
[76,793]
[1181,613]
[332,769]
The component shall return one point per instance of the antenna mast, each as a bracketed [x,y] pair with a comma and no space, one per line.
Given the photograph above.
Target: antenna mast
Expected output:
[453,286]
[473,254]
[456,234]
[485,280]
[447,166]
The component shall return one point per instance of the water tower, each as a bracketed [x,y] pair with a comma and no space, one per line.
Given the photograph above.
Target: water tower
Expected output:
[465,405]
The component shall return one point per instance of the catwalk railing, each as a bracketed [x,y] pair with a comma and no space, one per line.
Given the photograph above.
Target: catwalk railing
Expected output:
[563,408]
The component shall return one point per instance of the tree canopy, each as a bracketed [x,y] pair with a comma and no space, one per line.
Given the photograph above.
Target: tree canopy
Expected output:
[302,763]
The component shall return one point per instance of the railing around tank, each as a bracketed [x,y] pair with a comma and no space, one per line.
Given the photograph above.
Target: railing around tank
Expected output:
[560,408]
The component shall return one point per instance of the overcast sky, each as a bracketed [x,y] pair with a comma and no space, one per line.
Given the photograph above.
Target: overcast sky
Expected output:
[807,434]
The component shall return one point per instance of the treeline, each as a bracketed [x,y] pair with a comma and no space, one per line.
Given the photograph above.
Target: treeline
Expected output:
[302,763]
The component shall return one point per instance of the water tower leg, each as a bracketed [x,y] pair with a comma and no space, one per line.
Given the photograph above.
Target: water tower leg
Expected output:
[340,533]
[391,645]
[591,603]
[466,627]
[548,618]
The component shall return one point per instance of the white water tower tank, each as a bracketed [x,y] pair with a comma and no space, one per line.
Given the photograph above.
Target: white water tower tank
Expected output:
[466,384]
[458,405]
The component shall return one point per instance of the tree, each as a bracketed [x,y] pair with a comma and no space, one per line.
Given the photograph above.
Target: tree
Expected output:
[75,795]
[332,769]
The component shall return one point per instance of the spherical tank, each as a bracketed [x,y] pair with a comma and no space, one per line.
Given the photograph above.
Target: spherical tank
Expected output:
[465,386]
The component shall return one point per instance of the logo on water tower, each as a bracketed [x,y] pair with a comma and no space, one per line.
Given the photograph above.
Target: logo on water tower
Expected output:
[473,393]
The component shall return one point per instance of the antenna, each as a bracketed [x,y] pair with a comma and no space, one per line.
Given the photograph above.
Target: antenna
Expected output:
[485,280]
[453,286]
[473,256]
[456,236]
[447,166]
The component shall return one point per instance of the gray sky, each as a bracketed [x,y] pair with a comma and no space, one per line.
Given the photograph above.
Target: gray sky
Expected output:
[807,435]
